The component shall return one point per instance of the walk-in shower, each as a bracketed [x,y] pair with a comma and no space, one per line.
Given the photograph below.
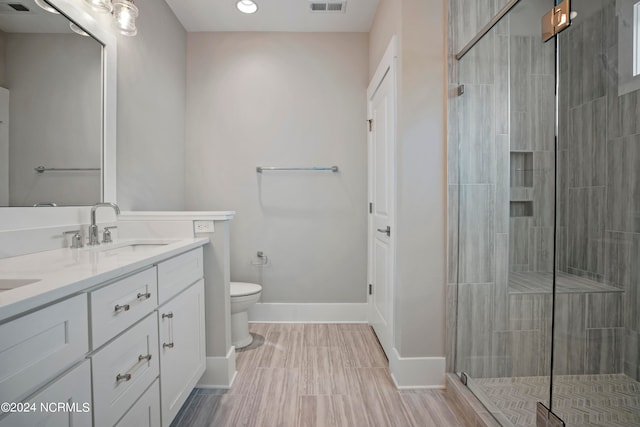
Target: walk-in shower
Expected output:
[544,207]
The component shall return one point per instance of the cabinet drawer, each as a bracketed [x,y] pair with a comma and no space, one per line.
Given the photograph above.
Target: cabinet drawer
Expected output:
[73,390]
[123,370]
[119,305]
[37,347]
[146,411]
[178,273]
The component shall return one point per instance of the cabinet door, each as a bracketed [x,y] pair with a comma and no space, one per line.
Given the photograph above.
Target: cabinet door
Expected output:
[182,348]
[64,403]
[146,411]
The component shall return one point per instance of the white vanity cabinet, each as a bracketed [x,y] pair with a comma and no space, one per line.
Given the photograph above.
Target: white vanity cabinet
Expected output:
[110,350]
[182,348]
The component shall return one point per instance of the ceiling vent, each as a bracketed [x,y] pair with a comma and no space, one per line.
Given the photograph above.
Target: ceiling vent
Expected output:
[13,7]
[328,7]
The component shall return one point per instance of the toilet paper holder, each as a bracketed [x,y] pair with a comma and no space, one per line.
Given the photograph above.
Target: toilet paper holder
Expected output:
[264,260]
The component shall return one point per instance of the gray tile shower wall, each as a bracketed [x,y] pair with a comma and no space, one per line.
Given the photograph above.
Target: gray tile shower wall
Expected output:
[531,82]
[599,194]
[506,117]
[478,175]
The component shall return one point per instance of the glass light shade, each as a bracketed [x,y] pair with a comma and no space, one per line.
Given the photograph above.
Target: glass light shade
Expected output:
[104,6]
[46,6]
[125,14]
[247,6]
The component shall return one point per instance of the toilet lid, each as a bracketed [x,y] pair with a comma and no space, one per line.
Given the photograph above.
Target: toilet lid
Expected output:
[241,289]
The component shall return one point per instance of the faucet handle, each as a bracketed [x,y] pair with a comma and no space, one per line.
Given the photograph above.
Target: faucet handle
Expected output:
[76,239]
[106,235]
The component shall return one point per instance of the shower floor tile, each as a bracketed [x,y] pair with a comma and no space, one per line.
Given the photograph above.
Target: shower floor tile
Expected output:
[580,400]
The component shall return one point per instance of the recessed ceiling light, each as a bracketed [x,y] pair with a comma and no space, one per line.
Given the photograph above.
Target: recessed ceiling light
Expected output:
[247,6]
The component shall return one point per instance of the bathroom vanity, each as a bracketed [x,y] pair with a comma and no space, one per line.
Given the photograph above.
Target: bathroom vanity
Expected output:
[104,336]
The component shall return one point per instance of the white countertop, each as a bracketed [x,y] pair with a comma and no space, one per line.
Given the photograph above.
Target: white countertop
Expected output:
[64,272]
[176,216]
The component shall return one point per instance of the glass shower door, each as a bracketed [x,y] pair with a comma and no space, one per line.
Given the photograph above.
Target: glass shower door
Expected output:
[596,359]
[505,191]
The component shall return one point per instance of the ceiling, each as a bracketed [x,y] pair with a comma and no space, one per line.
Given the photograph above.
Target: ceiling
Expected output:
[272,15]
[36,20]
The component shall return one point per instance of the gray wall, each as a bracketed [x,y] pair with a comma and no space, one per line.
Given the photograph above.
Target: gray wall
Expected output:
[4,130]
[283,99]
[151,111]
[55,114]
[4,146]
[421,170]
[3,78]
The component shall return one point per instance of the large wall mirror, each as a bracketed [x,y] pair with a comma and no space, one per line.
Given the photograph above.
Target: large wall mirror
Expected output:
[54,129]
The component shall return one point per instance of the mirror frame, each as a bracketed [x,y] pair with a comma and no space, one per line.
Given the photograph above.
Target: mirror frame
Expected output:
[99,26]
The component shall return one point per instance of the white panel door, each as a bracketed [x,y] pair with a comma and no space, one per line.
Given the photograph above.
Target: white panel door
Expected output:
[382,101]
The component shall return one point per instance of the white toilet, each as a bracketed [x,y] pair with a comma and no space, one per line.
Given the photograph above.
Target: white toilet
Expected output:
[243,296]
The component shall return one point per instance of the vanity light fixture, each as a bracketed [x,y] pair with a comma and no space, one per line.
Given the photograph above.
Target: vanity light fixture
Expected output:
[125,14]
[100,5]
[46,6]
[247,6]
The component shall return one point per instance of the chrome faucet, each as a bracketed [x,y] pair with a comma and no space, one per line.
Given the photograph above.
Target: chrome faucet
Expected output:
[93,228]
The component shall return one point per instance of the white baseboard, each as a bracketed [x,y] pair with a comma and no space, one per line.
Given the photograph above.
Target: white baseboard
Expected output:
[309,312]
[220,371]
[417,372]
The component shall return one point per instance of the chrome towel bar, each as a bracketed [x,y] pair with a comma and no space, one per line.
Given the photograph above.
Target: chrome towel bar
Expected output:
[41,169]
[260,169]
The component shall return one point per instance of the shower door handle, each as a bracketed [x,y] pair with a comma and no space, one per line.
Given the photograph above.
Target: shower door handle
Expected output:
[385,230]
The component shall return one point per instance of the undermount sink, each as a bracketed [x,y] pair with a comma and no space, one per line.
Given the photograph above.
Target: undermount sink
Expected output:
[8,284]
[128,246]
[133,248]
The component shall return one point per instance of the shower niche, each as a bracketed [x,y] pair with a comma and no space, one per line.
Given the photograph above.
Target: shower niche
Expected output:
[521,184]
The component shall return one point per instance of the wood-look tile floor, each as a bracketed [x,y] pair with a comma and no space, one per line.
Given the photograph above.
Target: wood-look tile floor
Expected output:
[306,375]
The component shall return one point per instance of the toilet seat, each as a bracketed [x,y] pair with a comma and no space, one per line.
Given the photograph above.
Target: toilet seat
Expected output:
[242,289]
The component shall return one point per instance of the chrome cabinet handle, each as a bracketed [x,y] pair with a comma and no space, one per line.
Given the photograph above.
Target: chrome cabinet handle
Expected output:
[147,357]
[385,230]
[169,316]
[118,308]
[125,377]
[144,296]
[128,375]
